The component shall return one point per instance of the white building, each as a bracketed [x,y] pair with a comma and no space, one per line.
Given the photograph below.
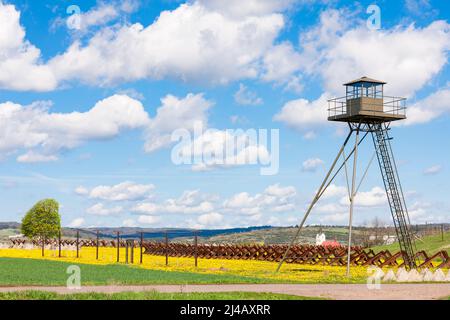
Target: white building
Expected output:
[320,238]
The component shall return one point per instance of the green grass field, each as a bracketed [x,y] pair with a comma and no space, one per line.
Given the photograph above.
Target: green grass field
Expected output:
[18,272]
[149,295]
[431,244]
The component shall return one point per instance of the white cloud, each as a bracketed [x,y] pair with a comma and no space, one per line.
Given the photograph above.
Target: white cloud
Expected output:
[124,191]
[246,97]
[432,107]
[406,57]
[335,218]
[99,209]
[335,191]
[20,64]
[190,202]
[374,198]
[44,134]
[82,191]
[331,208]
[210,212]
[210,219]
[281,62]
[104,13]
[433,170]
[32,157]
[191,43]
[148,219]
[419,212]
[76,223]
[304,115]
[274,199]
[311,165]
[129,223]
[224,149]
[148,208]
[175,113]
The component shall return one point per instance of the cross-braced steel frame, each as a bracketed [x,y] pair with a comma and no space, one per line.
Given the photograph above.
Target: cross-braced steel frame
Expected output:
[383,151]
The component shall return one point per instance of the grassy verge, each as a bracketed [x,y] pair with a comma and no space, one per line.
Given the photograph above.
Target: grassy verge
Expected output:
[20,272]
[149,295]
[430,244]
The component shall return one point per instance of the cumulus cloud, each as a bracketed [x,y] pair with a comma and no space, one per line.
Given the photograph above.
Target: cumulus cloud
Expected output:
[190,202]
[191,43]
[44,134]
[335,218]
[99,209]
[175,113]
[210,219]
[149,220]
[335,191]
[311,165]
[99,15]
[304,115]
[211,210]
[275,198]
[374,198]
[32,157]
[407,57]
[76,223]
[124,191]
[223,149]
[280,65]
[425,110]
[129,223]
[219,43]
[21,67]
[82,191]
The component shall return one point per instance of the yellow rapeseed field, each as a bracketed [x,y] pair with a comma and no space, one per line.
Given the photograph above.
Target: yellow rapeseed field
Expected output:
[249,268]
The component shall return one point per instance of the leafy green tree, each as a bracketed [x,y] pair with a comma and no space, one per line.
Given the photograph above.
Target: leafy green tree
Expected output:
[42,220]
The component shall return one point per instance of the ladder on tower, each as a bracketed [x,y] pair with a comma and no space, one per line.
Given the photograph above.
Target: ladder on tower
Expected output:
[394,192]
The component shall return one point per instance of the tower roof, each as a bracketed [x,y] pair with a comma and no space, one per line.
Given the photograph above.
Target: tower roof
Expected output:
[364,79]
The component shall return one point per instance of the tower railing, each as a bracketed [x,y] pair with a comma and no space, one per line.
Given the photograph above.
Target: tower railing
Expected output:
[391,105]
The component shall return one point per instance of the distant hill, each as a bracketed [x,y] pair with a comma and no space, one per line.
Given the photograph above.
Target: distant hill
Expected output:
[278,235]
[259,234]
[11,228]
[156,233]
[9,225]
[431,244]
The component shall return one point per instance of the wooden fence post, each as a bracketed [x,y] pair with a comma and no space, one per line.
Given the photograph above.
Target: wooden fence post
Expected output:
[96,245]
[167,249]
[43,246]
[132,252]
[126,251]
[118,246]
[196,248]
[141,245]
[59,244]
[78,243]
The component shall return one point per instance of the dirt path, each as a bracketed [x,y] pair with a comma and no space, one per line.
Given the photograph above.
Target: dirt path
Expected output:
[333,291]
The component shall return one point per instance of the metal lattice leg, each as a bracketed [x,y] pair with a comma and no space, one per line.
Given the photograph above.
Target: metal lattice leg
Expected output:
[394,193]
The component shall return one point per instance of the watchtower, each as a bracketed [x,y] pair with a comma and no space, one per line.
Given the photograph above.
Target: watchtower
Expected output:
[365,102]
[367,110]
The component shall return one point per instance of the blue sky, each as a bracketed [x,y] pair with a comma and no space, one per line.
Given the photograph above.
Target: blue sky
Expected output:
[88,103]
